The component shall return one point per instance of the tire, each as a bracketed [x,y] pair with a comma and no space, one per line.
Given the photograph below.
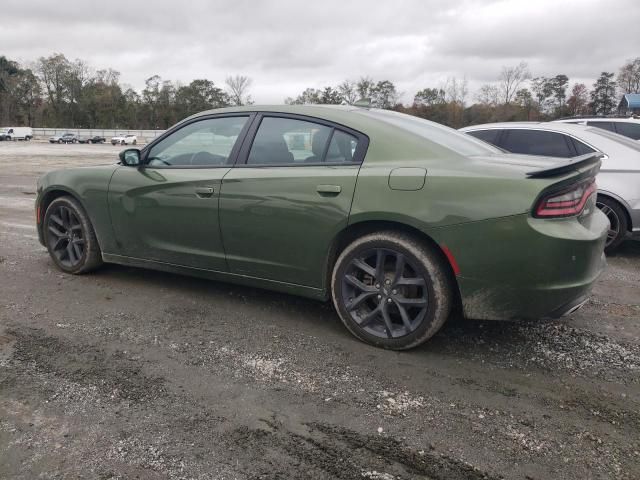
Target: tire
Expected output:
[74,141]
[618,220]
[70,238]
[424,290]
[89,141]
[135,142]
[123,142]
[59,141]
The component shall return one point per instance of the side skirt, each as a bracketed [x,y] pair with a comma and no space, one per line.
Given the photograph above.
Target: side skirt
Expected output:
[291,288]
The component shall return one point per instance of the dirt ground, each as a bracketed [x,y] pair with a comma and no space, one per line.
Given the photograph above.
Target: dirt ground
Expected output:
[128,373]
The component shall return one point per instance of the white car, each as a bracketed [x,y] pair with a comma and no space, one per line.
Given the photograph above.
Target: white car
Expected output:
[124,139]
[627,126]
[16,133]
[619,177]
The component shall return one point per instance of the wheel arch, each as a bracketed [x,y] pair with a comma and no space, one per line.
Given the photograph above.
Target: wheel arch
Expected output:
[48,196]
[623,205]
[365,227]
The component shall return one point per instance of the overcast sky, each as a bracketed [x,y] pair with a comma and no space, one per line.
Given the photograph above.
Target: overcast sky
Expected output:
[287,45]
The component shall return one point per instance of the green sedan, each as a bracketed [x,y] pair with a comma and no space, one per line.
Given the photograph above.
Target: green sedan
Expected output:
[396,219]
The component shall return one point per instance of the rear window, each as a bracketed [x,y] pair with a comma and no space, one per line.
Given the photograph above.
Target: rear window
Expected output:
[536,142]
[602,125]
[631,130]
[447,137]
[634,144]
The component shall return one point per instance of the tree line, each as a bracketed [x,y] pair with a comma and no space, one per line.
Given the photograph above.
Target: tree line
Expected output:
[57,92]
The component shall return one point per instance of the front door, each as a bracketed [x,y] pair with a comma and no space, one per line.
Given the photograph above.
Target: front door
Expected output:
[288,197]
[167,209]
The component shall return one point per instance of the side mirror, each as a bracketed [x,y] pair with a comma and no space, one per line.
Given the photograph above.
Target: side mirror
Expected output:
[130,157]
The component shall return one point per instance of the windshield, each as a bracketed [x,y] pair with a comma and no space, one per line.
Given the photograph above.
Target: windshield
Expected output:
[634,144]
[435,132]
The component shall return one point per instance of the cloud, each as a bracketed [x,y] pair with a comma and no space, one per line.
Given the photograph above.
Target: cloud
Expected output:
[288,45]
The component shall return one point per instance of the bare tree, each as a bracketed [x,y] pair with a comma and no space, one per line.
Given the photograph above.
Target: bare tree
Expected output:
[488,95]
[629,77]
[511,78]
[238,89]
[348,90]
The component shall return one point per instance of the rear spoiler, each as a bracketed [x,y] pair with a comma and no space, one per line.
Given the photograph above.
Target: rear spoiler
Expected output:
[569,165]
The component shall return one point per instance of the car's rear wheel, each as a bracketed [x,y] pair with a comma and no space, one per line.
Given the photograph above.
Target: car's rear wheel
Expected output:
[617,220]
[70,238]
[60,141]
[135,142]
[391,290]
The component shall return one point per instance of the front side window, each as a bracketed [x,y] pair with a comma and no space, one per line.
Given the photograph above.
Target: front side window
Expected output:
[536,142]
[204,143]
[283,141]
[631,130]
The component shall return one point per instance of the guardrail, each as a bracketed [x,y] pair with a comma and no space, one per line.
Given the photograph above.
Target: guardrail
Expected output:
[147,135]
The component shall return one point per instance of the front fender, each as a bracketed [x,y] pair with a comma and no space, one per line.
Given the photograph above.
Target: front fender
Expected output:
[89,186]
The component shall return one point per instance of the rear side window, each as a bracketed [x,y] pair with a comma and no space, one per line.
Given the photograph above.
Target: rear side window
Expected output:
[603,125]
[536,142]
[631,130]
[282,141]
[581,148]
[490,136]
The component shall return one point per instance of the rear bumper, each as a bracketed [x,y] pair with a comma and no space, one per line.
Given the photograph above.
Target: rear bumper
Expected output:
[525,268]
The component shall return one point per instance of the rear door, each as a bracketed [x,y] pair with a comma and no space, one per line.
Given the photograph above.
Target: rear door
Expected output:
[167,209]
[288,196]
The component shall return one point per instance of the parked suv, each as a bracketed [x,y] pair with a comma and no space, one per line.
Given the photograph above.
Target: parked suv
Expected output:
[124,139]
[64,138]
[619,178]
[627,126]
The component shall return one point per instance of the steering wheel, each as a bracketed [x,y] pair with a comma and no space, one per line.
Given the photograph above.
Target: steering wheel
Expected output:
[210,158]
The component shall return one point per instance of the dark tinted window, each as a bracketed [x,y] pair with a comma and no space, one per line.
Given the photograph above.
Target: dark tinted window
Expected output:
[205,143]
[603,125]
[490,136]
[287,140]
[631,130]
[581,148]
[536,142]
[342,147]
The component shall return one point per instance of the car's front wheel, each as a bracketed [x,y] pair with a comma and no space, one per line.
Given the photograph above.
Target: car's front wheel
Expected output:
[70,238]
[391,290]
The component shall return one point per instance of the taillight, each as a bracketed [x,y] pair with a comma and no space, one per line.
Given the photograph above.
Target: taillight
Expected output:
[566,203]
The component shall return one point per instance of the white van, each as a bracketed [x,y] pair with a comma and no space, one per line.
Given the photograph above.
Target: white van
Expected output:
[16,133]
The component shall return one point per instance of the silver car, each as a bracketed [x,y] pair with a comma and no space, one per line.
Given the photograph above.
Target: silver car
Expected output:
[619,177]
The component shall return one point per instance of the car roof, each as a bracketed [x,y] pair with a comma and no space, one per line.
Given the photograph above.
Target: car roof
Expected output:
[598,119]
[551,126]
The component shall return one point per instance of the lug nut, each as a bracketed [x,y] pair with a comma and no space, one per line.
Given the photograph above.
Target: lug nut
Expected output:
[388,300]
[387,281]
[394,291]
[379,297]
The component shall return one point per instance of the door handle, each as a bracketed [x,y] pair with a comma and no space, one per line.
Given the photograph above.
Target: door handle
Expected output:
[204,192]
[329,189]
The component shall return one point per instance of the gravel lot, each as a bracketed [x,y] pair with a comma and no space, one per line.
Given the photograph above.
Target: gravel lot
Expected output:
[129,373]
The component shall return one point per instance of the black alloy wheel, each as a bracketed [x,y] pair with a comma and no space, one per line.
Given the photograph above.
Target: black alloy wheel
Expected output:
[384,293]
[65,237]
[392,289]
